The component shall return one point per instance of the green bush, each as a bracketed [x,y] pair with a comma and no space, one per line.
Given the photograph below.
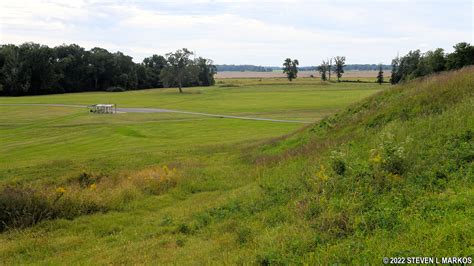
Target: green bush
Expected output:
[337,163]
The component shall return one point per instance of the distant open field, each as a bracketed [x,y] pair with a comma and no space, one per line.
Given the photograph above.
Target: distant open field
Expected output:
[302,74]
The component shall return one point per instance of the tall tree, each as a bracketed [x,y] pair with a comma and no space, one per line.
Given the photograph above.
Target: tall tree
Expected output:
[177,70]
[463,55]
[329,67]
[380,75]
[435,60]
[290,68]
[206,71]
[395,77]
[323,68]
[71,66]
[100,67]
[38,62]
[409,64]
[14,77]
[153,66]
[340,62]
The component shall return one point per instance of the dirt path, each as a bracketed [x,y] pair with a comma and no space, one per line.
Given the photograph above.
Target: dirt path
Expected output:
[158,110]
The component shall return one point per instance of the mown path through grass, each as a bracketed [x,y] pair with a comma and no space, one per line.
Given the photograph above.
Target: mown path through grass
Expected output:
[158,110]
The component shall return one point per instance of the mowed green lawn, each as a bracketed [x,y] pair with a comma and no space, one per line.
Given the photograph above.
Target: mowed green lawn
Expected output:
[44,143]
[274,98]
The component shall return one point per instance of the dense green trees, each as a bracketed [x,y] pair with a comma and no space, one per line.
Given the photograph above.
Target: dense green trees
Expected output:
[416,64]
[206,71]
[31,69]
[181,71]
[290,68]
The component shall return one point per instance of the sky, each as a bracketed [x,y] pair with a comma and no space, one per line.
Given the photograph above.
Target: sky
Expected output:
[244,31]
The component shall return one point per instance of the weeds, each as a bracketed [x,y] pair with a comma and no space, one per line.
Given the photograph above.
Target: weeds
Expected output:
[85,194]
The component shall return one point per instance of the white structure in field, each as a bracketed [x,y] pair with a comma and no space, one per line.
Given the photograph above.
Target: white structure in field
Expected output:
[103,108]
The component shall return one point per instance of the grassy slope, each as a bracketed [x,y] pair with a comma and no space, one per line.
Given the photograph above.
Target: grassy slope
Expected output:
[406,190]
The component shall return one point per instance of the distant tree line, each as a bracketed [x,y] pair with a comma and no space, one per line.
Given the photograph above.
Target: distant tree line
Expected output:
[221,68]
[351,67]
[32,69]
[416,64]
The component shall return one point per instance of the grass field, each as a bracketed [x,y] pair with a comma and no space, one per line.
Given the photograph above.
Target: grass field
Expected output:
[391,174]
[39,139]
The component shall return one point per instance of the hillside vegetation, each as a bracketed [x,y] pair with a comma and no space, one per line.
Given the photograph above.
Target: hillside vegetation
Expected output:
[389,176]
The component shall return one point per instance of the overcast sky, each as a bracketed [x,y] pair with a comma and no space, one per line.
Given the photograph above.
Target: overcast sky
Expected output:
[243,32]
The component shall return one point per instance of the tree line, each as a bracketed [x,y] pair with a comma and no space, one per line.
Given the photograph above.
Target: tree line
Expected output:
[222,68]
[32,69]
[253,68]
[416,64]
[290,68]
[333,64]
[353,67]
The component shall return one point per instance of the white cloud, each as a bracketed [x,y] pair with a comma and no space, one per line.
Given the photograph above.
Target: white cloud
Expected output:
[238,31]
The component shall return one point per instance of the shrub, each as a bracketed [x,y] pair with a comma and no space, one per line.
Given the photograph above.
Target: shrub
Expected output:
[393,156]
[184,229]
[337,163]
[388,160]
[22,207]
[88,179]
[84,194]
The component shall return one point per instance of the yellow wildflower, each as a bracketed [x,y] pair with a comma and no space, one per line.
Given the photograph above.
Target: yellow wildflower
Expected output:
[60,190]
[321,174]
[93,186]
[376,158]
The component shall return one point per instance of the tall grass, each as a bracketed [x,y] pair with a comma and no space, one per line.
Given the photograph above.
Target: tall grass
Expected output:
[23,206]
